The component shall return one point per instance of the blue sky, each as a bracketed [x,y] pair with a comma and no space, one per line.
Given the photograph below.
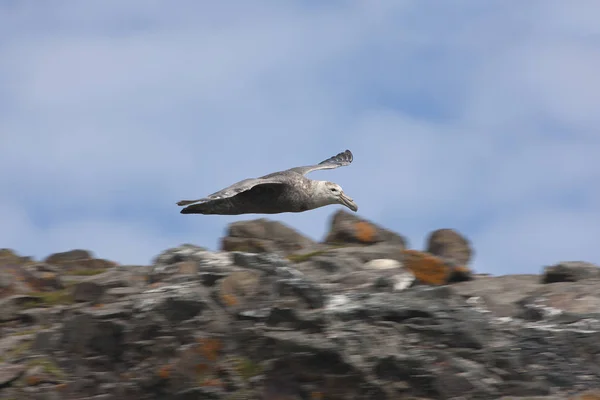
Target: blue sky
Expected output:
[477,116]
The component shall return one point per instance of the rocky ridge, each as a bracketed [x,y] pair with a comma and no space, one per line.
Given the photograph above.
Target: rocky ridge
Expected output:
[274,315]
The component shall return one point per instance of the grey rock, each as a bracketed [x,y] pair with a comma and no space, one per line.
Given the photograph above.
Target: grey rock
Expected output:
[264,235]
[83,334]
[498,295]
[198,393]
[38,316]
[331,264]
[68,256]
[570,271]
[45,340]
[88,291]
[122,292]
[311,294]
[10,373]
[450,245]
[343,322]
[176,303]
[11,306]
[368,253]
[265,262]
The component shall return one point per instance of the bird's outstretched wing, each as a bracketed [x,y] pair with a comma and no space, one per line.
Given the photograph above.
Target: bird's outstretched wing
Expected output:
[339,160]
[233,190]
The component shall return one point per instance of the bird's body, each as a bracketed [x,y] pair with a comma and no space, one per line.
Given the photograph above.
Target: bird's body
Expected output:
[278,192]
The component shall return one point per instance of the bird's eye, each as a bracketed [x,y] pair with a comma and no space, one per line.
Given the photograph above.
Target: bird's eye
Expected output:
[333,189]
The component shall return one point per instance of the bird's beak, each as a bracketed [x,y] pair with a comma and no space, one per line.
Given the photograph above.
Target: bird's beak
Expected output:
[348,202]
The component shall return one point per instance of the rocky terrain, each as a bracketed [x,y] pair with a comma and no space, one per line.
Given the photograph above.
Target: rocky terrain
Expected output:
[275,315]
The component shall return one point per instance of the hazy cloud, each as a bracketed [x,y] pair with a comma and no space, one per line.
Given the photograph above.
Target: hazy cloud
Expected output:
[476,116]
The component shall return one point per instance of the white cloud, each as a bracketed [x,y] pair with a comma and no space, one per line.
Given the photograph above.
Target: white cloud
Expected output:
[478,117]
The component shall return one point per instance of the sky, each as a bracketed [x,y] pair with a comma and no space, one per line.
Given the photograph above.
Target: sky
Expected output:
[476,116]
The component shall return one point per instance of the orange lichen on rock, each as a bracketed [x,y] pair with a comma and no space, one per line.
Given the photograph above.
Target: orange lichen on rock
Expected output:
[426,267]
[33,380]
[316,396]
[202,368]
[209,348]
[229,300]
[365,232]
[588,395]
[61,386]
[165,371]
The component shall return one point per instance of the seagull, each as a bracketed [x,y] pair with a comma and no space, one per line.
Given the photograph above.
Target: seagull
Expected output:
[288,191]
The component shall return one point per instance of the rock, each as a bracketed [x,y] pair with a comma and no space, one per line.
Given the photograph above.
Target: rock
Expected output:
[117,293]
[451,245]
[336,265]
[570,271]
[45,341]
[238,288]
[392,274]
[433,270]
[303,365]
[593,394]
[83,334]
[37,316]
[263,235]
[93,288]
[189,263]
[294,320]
[15,277]
[176,303]
[498,295]
[348,228]
[10,257]
[43,277]
[10,306]
[78,259]
[198,393]
[118,277]
[310,294]
[382,264]
[419,370]
[367,253]
[344,322]
[68,256]
[268,263]
[88,291]
[581,298]
[185,252]
[396,282]
[9,373]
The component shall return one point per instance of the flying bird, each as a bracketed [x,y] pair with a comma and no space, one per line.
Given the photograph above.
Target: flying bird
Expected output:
[278,192]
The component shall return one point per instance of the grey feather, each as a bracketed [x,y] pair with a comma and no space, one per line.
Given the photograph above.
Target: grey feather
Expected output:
[339,160]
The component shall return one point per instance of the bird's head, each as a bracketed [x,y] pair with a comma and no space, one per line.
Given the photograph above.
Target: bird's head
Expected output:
[334,194]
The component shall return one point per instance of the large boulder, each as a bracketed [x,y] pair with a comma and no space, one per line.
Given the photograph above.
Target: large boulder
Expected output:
[434,270]
[78,259]
[451,245]
[570,271]
[13,275]
[346,228]
[263,235]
